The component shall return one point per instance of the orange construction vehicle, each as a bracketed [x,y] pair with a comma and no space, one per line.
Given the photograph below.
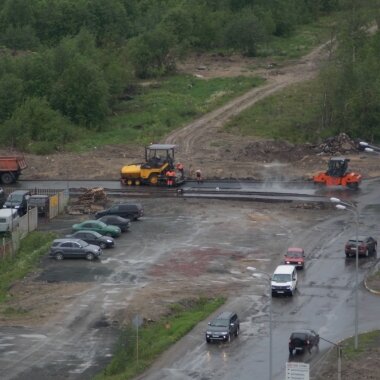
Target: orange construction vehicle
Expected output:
[10,168]
[338,174]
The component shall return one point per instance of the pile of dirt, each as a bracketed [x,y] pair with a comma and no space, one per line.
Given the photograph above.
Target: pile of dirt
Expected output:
[338,145]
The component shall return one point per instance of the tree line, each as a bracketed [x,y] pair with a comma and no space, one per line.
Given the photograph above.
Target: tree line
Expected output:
[66,63]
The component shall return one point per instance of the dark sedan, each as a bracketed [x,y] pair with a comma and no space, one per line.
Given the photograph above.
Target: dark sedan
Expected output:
[122,223]
[74,248]
[93,237]
[366,245]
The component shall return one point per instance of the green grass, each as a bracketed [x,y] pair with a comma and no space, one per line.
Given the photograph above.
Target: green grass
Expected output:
[366,341]
[164,106]
[155,338]
[32,248]
[301,41]
[292,114]
[171,102]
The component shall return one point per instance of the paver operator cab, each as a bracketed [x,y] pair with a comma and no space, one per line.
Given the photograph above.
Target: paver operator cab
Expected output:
[159,159]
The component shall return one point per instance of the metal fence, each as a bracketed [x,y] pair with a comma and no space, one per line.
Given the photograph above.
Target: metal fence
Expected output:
[9,245]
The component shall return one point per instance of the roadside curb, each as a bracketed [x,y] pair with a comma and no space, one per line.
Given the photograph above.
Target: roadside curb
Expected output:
[375,269]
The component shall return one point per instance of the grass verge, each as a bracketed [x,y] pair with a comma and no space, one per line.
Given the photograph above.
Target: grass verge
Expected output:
[356,364]
[25,260]
[155,338]
[292,114]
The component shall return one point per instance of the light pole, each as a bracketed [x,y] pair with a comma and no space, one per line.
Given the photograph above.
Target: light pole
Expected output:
[369,148]
[269,278]
[341,205]
[339,348]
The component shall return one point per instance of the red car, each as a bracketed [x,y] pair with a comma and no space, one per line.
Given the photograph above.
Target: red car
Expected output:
[367,245]
[295,256]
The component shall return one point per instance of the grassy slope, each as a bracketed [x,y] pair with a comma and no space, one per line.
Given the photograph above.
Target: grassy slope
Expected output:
[176,100]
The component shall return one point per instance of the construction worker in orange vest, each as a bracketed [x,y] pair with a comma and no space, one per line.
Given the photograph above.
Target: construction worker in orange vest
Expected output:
[170,175]
[180,168]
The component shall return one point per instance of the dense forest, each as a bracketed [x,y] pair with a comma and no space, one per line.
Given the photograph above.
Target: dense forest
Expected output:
[65,64]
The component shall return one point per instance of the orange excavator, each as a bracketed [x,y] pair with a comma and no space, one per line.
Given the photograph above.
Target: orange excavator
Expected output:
[338,174]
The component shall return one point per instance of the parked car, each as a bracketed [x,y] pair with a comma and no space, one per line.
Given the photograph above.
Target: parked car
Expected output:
[95,238]
[131,211]
[74,248]
[95,225]
[223,327]
[295,256]
[19,200]
[367,245]
[115,220]
[302,340]
[9,219]
[42,202]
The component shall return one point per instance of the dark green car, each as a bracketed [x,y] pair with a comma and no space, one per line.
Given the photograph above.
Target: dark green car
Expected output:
[97,226]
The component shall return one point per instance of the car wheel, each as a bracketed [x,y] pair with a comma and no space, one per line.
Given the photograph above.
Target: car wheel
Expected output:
[229,338]
[102,245]
[59,256]
[237,331]
[89,256]
[290,351]
[208,340]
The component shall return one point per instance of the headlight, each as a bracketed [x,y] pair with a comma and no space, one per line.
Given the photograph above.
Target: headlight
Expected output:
[17,206]
[109,241]
[299,262]
[288,262]
[224,333]
[208,333]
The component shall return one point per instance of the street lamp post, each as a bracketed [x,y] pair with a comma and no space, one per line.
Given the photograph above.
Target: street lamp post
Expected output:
[341,205]
[339,348]
[269,278]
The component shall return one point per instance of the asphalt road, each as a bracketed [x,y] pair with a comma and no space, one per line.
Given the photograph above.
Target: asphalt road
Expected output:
[78,343]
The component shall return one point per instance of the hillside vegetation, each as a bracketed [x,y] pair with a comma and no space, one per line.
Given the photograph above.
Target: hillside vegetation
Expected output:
[71,70]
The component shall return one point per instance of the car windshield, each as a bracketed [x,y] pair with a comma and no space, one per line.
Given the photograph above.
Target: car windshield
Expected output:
[220,323]
[280,277]
[82,243]
[293,254]
[14,198]
[96,234]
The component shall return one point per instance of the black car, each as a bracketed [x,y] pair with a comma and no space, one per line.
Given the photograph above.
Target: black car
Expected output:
[93,237]
[74,248]
[42,202]
[2,197]
[302,340]
[223,327]
[18,199]
[115,220]
[131,211]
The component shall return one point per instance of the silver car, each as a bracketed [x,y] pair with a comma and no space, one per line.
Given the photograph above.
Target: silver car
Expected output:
[74,248]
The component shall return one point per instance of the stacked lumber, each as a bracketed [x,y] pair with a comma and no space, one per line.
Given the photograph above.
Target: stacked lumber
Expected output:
[91,201]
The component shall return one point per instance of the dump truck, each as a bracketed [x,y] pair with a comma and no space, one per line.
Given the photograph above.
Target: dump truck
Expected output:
[159,158]
[338,174]
[10,168]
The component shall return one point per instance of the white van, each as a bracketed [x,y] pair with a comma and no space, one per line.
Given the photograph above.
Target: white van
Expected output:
[9,219]
[284,280]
